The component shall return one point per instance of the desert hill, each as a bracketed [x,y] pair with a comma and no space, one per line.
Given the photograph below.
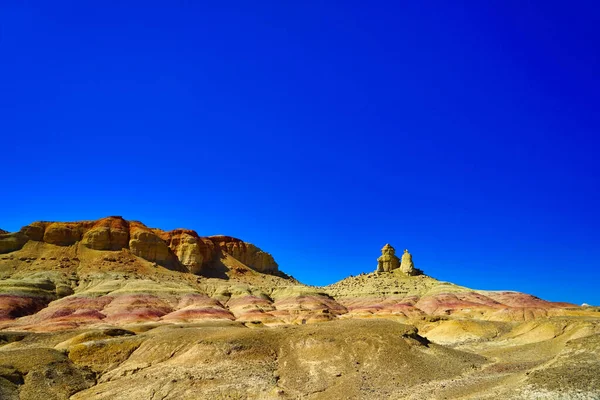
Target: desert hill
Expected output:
[179,249]
[113,308]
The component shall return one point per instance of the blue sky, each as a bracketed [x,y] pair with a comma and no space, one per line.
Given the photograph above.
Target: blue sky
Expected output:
[466,132]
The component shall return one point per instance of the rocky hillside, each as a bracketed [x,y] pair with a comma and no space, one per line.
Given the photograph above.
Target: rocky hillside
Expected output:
[180,249]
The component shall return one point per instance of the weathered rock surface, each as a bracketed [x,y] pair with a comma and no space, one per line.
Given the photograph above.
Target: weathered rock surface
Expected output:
[388,261]
[245,252]
[353,359]
[180,249]
[407,265]
[145,243]
[12,241]
[43,373]
[35,231]
[63,234]
[192,250]
[110,233]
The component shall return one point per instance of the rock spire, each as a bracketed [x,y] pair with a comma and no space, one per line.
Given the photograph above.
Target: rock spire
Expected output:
[388,260]
[407,266]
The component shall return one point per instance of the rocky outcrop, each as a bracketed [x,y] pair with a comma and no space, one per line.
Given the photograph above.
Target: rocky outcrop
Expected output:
[11,241]
[388,261]
[63,234]
[179,249]
[407,266]
[247,253]
[146,244]
[110,233]
[35,231]
[192,250]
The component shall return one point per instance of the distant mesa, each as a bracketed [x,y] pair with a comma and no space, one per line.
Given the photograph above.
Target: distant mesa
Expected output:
[388,262]
[180,249]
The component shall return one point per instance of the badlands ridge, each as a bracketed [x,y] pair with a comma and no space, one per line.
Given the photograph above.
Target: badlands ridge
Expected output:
[114,309]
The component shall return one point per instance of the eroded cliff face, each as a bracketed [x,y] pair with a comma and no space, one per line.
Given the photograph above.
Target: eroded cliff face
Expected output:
[192,250]
[179,249]
[147,244]
[107,234]
[63,234]
[12,242]
[245,252]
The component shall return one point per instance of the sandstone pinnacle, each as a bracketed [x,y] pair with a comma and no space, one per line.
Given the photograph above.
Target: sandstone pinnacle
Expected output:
[407,266]
[388,261]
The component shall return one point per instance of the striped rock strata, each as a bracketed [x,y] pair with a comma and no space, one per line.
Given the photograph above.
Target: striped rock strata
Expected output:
[113,272]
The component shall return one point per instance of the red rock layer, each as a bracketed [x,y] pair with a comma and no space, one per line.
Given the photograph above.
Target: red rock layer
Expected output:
[499,306]
[152,302]
[15,306]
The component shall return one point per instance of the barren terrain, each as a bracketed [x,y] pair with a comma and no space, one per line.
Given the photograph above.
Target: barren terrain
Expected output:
[171,315]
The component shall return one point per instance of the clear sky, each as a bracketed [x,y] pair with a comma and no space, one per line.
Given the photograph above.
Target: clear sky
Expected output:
[467,132]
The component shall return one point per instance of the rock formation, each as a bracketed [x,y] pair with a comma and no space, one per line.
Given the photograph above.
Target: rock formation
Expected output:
[110,233]
[12,241]
[145,243]
[407,265]
[388,260]
[62,234]
[245,252]
[35,231]
[192,250]
[180,249]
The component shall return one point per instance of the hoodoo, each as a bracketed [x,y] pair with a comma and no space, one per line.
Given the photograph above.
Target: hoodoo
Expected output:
[407,266]
[388,262]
